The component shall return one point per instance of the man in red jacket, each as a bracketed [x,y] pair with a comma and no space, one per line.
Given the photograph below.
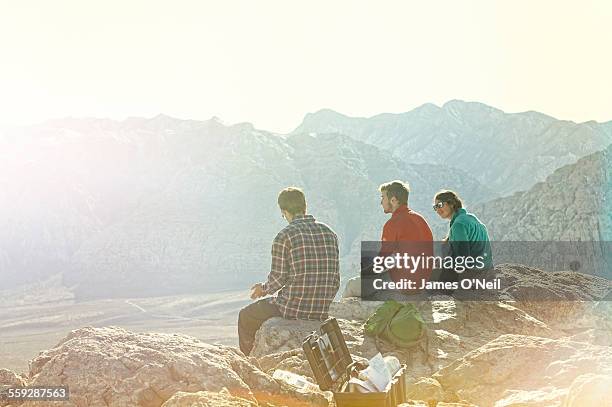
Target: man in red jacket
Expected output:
[405,225]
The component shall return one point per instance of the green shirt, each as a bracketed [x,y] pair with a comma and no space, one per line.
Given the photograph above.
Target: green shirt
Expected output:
[468,236]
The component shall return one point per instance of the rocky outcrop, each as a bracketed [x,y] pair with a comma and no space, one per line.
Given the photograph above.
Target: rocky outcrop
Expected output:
[514,369]
[485,353]
[111,366]
[421,403]
[589,390]
[454,329]
[523,283]
[225,399]
[560,298]
[489,368]
[572,204]
[114,367]
[284,335]
[10,379]
[598,320]
[207,399]
[426,389]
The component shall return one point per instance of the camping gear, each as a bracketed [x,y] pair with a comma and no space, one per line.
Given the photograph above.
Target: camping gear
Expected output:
[295,380]
[399,324]
[333,368]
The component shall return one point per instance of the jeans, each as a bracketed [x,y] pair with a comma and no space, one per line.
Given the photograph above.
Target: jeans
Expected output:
[250,319]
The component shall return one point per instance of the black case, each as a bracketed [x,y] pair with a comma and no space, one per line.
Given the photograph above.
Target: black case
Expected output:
[332,365]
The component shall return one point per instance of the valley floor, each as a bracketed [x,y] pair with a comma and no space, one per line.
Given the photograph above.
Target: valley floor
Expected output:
[25,330]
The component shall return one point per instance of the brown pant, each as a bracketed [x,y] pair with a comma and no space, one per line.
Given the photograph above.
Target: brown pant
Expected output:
[250,319]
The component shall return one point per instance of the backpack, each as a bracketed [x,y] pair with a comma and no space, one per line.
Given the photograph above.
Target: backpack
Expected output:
[399,324]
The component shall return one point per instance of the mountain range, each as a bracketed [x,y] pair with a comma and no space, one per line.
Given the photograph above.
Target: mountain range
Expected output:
[572,204]
[161,206]
[507,152]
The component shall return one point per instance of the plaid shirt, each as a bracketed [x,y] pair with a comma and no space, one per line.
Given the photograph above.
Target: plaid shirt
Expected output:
[305,269]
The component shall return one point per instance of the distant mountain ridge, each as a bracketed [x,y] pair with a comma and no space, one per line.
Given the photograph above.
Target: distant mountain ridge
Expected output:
[163,206]
[160,206]
[572,204]
[508,152]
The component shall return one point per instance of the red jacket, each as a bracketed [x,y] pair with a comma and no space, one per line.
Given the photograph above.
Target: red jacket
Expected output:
[406,225]
[408,232]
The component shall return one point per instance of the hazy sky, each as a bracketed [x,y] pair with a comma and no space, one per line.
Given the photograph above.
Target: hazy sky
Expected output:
[271,62]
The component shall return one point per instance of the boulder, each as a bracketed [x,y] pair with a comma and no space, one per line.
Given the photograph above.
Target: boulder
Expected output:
[207,399]
[515,369]
[225,399]
[353,309]
[485,353]
[598,321]
[426,389]
[279,335]
[454,328]
[547,396]
[456,404]
[589,390]
[270,362]
[555,297]
[9,378]
[111,366]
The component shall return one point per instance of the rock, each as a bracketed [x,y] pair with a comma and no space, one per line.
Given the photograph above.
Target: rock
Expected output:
[421,403]
[207,399]
[9,378]
[453,329]
[295,364]
[545,397]
[270,362]
[426,389]
[576,207]
[599,321]
[599,335]
[279,335]
[558,298]
[498,348]
[353,309]
[589,390]
[296,398]
[481,353]
[111,366]
[522,369]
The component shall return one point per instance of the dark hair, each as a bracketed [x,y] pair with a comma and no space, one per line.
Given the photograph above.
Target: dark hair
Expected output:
[398,189]
[451,198]
[292,200]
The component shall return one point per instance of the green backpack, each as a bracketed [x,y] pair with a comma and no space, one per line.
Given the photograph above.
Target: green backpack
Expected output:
[399,324]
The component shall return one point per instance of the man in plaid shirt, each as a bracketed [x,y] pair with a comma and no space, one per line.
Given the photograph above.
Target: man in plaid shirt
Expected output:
[305,272]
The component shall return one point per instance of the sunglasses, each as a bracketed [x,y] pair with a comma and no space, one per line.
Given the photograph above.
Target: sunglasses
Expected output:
[439,205]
